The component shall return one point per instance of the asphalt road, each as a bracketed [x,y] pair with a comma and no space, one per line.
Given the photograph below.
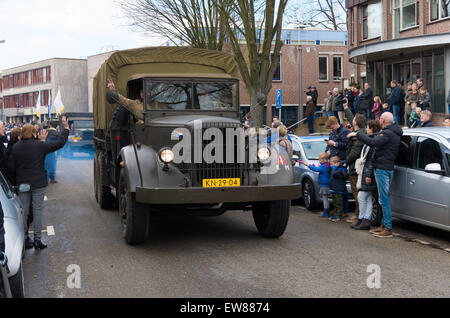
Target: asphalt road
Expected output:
[221,256]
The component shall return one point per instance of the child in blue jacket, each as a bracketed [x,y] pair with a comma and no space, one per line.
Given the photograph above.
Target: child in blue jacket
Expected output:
[338,187]
[324,181]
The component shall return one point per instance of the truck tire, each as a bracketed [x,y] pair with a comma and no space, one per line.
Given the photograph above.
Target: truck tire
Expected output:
[271,218]
[16,284]
[105,198]
[134,216]
[96,176]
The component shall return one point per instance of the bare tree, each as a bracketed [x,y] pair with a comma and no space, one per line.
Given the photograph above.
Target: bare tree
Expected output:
[257,24]
[198,23]
[325,14]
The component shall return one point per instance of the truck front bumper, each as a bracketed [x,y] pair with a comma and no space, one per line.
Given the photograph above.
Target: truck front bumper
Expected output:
[162,196]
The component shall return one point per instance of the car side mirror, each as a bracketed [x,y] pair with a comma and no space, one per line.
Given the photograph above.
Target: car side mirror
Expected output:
[433,167]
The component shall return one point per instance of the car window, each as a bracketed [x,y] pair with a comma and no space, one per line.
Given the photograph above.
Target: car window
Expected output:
[427,151]
[313,149]
[296,148]
[404,153]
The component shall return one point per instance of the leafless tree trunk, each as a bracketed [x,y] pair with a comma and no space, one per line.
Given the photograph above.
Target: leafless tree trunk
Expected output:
[257,24]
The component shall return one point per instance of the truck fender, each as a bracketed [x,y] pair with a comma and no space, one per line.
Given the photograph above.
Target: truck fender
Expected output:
[153,171]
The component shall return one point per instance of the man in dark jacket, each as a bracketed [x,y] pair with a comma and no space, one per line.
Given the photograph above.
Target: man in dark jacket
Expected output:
[350,98]
[354,152]
[27,161]
[312,91]
[310,114]
[387,145]
[3,162]
[366,101]
[337,143]
[396,100]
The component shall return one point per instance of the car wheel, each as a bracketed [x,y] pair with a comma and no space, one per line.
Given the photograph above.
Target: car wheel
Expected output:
[16,284]
[309,195]
[377,212]
[271,218]
[134,216]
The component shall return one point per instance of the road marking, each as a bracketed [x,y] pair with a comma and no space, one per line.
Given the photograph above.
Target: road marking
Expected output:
[45,198]
[50,230]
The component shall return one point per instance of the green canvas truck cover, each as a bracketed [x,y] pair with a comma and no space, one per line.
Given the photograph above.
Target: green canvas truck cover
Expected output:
[125,65]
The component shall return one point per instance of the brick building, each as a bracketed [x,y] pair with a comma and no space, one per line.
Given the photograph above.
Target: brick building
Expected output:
[324,64]
[20,88]
[402,40]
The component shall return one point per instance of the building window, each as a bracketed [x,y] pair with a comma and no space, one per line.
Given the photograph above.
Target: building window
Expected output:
[405,15]
[323,68]
[277,75]
[372,20]
[439,9]
[337,68]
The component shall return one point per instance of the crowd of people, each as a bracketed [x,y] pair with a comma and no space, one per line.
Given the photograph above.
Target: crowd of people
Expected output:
[30,158]
[410,106]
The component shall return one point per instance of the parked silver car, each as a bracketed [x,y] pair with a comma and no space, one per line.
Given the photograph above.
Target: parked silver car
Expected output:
[307,149]
[421,183]
[14,235]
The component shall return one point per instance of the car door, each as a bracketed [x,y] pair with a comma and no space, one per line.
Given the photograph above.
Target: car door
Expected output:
[427,193]
[403,162]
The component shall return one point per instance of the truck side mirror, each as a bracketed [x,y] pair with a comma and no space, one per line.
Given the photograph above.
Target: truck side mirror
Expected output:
[112,97]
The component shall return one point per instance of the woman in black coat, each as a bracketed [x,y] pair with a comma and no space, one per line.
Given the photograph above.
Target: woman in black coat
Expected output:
[27,162]
[368,184]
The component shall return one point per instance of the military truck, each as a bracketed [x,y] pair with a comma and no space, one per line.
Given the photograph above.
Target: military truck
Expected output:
[186,94]
[81,137]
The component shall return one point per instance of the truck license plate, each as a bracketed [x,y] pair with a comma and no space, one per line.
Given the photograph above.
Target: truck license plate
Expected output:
[221,183]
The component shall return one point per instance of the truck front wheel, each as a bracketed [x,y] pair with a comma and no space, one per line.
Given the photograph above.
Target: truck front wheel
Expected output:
[134,216]
[271,218]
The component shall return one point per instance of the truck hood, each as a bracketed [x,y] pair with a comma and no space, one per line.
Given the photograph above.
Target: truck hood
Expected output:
[188,120]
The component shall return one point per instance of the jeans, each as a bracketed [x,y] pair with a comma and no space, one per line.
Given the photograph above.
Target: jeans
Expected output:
[36,199]
[365,205]
[396,112]
[384,180]
[310,124]
[324,191]
[50,166]
[330,113]
[353,183]
[449,108]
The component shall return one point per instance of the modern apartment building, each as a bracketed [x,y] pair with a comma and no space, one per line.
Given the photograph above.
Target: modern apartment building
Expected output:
[402,40]
[20,88]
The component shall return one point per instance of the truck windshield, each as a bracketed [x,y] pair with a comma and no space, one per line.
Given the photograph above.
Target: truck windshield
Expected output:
[185,95]
[81,124]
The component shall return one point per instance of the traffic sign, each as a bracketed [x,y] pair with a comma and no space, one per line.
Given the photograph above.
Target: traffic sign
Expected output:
[279,99]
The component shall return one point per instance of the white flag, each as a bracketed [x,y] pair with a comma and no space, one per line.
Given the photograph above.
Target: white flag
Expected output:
[38,105]
[59,106]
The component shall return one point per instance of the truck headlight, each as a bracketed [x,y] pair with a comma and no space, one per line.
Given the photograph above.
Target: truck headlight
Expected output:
[166,155]
[264,154]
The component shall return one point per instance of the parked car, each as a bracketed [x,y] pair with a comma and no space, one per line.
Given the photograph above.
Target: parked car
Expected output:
[421,184]
[307,149]
[14,234]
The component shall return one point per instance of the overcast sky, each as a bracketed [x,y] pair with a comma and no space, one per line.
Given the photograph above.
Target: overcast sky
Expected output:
[38,30]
